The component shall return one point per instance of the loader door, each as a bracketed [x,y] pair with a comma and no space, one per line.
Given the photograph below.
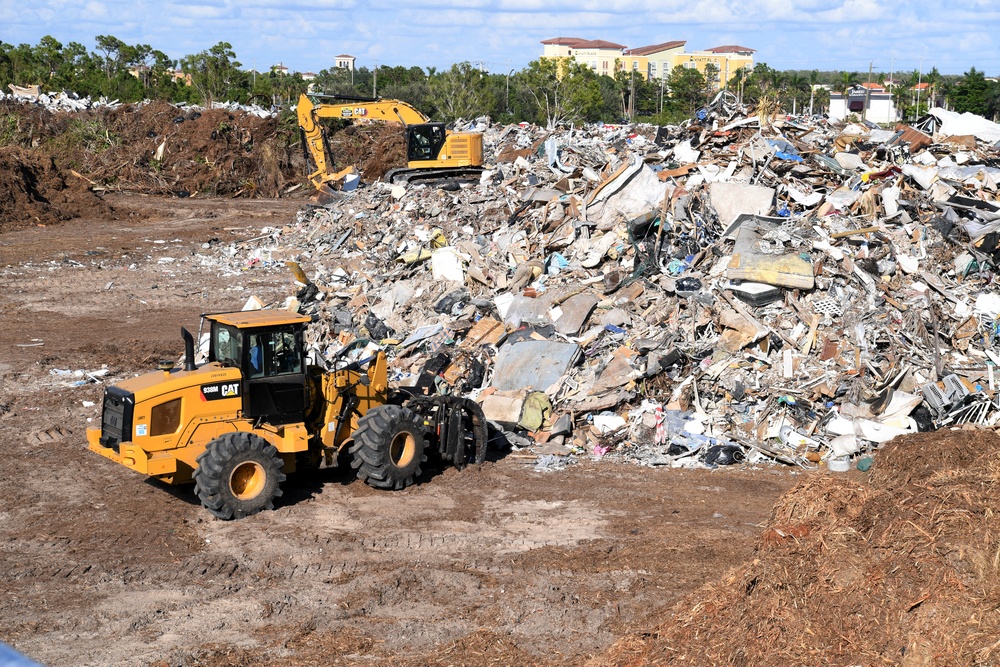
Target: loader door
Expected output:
[275,376]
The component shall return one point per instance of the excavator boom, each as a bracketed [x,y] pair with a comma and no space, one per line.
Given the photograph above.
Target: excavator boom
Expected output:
[389,111]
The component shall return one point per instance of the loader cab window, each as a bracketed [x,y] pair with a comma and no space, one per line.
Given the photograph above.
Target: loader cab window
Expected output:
[424,142]
[273,353]
[227,345]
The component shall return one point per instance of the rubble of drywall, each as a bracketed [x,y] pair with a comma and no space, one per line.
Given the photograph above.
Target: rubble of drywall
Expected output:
[72,102]
[745,287]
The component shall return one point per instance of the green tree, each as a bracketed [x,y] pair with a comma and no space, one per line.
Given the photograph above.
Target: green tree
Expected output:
[282,88]
[49,55]
[78,71]
[796,92]
[712,80]
[563,91]
[21,66]
[737,81]
[216,74]
[461,92]
[762,80]
[688,88]
[338,81]
[111,58]
[972,94]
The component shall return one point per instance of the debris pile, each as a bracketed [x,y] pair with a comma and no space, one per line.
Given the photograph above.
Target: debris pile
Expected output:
[55,165]
[897,567]
[70,101]
[744,287]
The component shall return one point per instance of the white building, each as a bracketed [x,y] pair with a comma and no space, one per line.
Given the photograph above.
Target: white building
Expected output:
[866,101]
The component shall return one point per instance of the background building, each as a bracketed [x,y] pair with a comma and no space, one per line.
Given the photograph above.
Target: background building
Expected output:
[868,101]
[655,61]
[597,54]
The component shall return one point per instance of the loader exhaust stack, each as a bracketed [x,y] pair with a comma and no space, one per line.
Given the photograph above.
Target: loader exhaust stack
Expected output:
[188,349]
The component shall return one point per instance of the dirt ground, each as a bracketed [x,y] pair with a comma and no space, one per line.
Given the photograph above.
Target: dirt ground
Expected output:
[495,565]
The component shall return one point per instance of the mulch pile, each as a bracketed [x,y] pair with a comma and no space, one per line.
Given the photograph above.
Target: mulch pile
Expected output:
[33,191]
[157,148]
[374,149]
[897,566]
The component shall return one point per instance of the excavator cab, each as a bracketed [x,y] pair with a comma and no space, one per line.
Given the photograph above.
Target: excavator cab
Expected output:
[425,141]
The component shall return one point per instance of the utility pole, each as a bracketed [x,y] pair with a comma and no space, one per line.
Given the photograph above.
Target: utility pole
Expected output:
[920,76]
[892,85]
[507,103]
[662,79]
[868,91]
[375,80]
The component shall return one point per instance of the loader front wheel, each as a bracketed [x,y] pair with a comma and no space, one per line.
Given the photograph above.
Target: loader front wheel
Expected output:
[238,474]
[389,447]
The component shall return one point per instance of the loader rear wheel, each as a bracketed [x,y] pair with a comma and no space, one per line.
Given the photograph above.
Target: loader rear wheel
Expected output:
[388,447]
[238,474]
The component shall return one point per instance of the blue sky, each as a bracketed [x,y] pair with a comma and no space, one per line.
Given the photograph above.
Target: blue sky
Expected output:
[305,36]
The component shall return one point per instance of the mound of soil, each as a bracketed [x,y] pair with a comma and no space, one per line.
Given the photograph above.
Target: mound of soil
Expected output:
[33,191]
[896,567]
[157,148]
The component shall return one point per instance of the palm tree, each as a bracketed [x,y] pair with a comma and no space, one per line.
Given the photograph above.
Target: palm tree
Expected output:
[777,80]
[943,91]
[813,82]
[796,85]
[846,81]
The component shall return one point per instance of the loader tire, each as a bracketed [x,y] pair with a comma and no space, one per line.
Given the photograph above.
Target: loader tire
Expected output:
[388,447]
[238,474]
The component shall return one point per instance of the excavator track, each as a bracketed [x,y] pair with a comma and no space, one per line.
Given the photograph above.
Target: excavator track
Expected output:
[403,175]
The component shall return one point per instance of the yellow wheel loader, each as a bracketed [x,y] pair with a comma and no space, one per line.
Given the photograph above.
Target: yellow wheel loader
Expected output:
[255,411]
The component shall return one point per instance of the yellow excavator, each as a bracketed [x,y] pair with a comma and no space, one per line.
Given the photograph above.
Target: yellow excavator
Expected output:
[432,151]
[256,411]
